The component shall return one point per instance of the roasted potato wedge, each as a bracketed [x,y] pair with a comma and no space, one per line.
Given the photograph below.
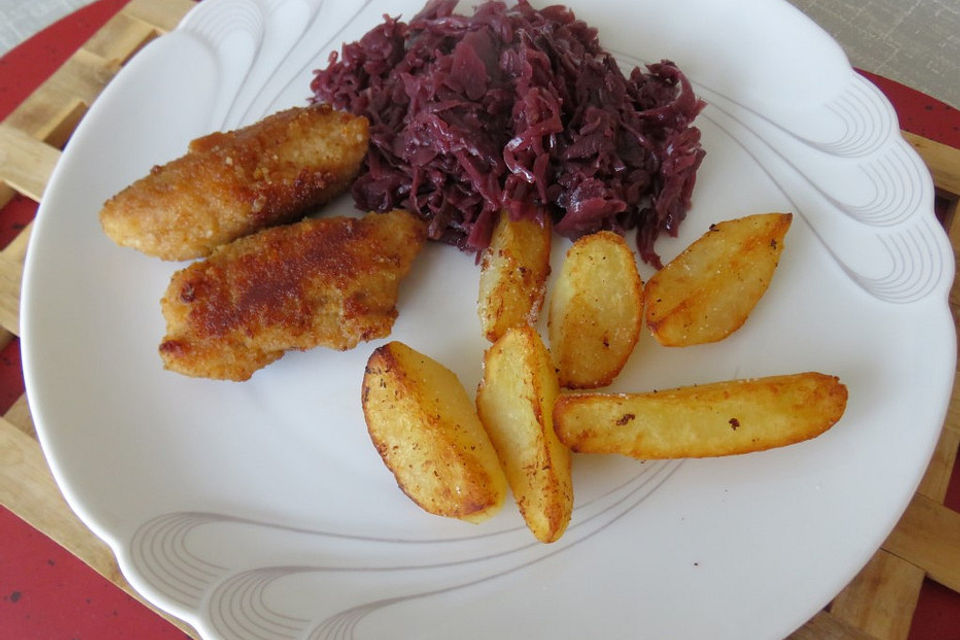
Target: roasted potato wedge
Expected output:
[706,293]
[426,429]
[515,402]
[718,419]
[596,311]
[513,275]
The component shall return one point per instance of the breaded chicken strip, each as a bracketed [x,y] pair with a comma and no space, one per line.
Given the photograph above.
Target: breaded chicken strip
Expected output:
[232,184]
[321,282]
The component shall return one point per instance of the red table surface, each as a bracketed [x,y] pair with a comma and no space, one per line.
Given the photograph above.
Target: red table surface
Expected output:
[46,592]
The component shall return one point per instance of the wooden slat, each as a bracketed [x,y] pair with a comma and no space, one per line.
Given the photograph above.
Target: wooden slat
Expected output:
[825,626]
[928,535]
[952,422]
[62,126]
[944,164]
[19,416]
[6,192]
[17,249]
[80,79]
[882,598]
[162,15]
[952,220]
[25,162]
[936,480]
[121,38]
[12,258]
[941,159]
[954,297]
[11,273]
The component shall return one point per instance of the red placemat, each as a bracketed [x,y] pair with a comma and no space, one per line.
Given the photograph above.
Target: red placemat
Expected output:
[46,592]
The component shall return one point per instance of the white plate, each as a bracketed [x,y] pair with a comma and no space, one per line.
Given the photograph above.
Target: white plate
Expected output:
[261,510]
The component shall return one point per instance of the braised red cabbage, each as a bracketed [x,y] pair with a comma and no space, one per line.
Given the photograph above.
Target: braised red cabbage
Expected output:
[520,109]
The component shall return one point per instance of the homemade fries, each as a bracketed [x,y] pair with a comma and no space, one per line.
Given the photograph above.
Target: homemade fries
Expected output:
[513,275]
[515,401]
[440,449]
[596,311]
[718,419]
[707,292]
[427,431]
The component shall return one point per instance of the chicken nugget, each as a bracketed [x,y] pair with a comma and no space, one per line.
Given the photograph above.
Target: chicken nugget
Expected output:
[231,184]
[320,282]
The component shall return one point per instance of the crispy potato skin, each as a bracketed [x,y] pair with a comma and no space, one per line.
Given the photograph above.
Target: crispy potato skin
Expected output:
[596,311]
[718,419]
[513,275]
[426,429]
[708,291]
[231,184]
[515,402]
[321,282]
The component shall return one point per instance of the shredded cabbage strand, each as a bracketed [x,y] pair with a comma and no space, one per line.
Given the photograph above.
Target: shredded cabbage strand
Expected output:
[515,109]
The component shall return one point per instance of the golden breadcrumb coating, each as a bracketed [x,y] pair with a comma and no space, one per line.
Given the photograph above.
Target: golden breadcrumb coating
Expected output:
[320,282]
[231,184]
